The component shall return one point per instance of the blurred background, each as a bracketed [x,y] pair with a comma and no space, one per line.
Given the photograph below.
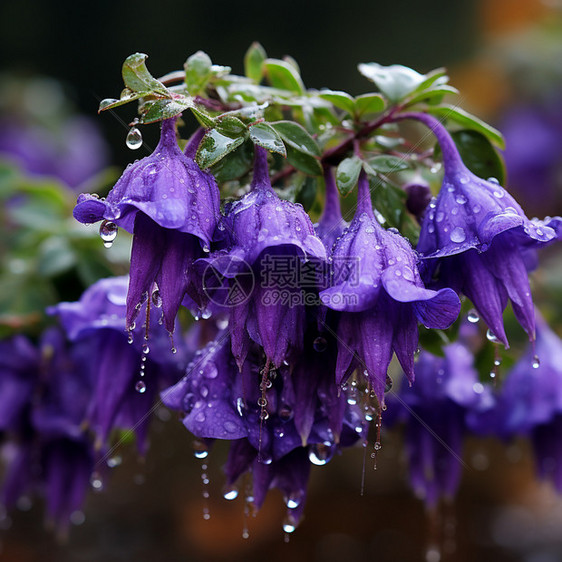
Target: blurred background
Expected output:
[59,59]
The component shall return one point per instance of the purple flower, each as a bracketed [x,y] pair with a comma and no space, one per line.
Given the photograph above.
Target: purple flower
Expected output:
[266,235]
[171,207]
[126,376]
[475,236]
[433,410]
[380,296]
[52,454]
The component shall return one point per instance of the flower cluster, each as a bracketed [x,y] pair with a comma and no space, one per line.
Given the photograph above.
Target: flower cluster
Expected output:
[300,321]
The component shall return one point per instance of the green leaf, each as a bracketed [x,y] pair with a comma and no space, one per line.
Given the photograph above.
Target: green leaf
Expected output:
[394,81]
[387,164]
[468,121]
[163,109]
[253,62]
[198,71]
[368,103]
[283,75]
[347,174]
[303,162]
[297,136]
[306,195]
[230,125]
[479,155]
[434,94]
[137,78]
[433,78]
[340,99]
[205,120]
[55,256]
[215,146]
[265,136]
[234,165]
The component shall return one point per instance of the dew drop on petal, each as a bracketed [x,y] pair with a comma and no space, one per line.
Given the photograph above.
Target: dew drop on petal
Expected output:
[320,344]
[140,387]
[458,235]
[134,139]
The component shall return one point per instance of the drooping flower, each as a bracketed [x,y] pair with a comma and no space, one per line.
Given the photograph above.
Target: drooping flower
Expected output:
[269,241]
[51,454]
[380,296]
[433,410]
[476,236]
[126,376]
[171,207]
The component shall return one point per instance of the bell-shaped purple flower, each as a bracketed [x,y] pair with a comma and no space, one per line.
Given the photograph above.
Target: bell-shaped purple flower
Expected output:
[128,371]
[433,410]
[380,296]
[477,236]
[171,207]
[268,241]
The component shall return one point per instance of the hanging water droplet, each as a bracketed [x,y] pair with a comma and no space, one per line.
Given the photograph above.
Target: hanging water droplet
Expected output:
[140,387]
[294,500]
[156,298]
[497,361]
[200,450]
[134,139]
[230,494]
[130,338]
[96,482]
[319,454]
[145,349]
[108,233]
[536,362]
[286,412]
[289,525]
[491,336]
[112,462]
[472,316]
[320,344]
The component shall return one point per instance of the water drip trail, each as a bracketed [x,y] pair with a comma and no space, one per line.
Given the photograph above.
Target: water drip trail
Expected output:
[262,403]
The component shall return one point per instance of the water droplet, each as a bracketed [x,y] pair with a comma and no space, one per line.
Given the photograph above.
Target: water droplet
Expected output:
[494,180]
[96,482]
[377,446]
[320,344]
[536,362]
[289,525]
[458,235]
[200,450]
[230,494]
[134,139]
[145,349]
[491,336]
[478,387]
[294,500]
[472,316]
[156,298]
[319,454]
[112,462]
[140,387]
[460,199]
[108,233]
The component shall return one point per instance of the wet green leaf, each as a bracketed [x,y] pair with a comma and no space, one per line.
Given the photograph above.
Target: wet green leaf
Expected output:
[163,109]
[253,62]
[205,120]
[215,146]
[387,164]
[230,125]
[137,78]
[198,71]
[283,75]
[468,121]
[265,136]
[394,81]
[342,100]
[303,162]
[236,164]
[297,136]
[347,174]
[432,95]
